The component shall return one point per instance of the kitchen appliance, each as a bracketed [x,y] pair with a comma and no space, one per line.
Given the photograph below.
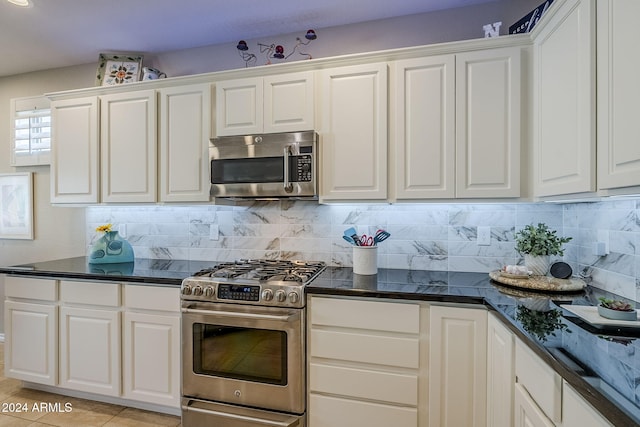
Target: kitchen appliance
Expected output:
[268,166]
[243,345]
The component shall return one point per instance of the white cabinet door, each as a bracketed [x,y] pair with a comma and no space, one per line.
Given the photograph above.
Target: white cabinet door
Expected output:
[31,346]
[128,146]
[239,107]
[151,358]
[75,168]
[618,93]
[488,97]
[500,374]
[564,101]
[457,366]
[423,111]
[278,103]
[289,102]
[354,133]
[90,350]
[527,413]
[185,129]
[577,412]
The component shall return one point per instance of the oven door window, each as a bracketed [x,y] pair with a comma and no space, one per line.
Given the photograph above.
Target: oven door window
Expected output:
[253,170]
[248,354]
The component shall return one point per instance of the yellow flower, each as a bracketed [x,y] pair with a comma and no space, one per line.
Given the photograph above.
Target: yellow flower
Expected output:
[104,228]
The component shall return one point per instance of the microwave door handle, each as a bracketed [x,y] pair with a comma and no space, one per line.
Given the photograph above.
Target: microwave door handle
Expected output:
[288,187]
[284,318]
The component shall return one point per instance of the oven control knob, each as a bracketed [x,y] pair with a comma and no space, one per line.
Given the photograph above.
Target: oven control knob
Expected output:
[281,296]
[197,290]
[186,290]
[267,295]
[294,297]
[208,291]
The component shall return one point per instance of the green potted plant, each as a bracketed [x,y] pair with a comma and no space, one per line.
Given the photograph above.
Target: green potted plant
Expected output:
[536,244]
[616,309]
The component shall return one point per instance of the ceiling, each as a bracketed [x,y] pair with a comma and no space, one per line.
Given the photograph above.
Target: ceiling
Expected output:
[58,33]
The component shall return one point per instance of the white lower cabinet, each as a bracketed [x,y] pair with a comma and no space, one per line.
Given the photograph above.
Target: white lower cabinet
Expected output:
[31,330]
[576,412]
[151,345]
[536,379]
[457,366]
[500,373]
[527,413]
[105,338]
[395,363]
[90,337]
[367,363]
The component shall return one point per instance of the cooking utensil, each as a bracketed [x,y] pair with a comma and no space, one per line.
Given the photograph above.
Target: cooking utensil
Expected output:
[381,236]
[349,239]
[350,232]
[353,234]
[366,240]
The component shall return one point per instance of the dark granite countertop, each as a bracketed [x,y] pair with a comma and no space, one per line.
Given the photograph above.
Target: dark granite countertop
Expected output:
[603,365]
[157,272]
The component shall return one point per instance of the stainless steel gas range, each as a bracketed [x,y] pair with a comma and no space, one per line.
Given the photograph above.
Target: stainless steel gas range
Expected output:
[243,358]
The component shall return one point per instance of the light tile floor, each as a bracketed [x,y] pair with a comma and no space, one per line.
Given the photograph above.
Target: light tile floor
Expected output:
[22,407]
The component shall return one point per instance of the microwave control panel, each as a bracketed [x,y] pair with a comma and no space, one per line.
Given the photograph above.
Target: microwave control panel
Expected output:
[303,168]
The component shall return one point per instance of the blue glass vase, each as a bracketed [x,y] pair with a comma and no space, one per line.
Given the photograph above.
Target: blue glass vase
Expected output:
[111,248]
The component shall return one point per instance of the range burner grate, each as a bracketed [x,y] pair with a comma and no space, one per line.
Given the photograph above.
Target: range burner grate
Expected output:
[266,270]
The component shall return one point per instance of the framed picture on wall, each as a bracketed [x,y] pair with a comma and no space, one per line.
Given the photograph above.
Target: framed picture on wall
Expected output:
[118,68]
[16,206]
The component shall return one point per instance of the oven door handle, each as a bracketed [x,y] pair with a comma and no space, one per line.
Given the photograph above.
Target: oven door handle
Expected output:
[233,314]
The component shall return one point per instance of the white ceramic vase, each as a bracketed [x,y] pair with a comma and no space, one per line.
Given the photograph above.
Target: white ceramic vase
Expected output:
[537,264]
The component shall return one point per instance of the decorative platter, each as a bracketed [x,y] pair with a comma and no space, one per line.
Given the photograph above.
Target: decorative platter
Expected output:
[540,283]
[590,315]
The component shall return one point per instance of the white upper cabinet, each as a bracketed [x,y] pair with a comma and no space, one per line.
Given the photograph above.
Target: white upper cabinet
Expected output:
[289,103]
[456,125]
[488,86]
[75,168]
[279,103]
[185,129]
[618,93]
[423,120]
[128,146]
[564,100]
[354,132]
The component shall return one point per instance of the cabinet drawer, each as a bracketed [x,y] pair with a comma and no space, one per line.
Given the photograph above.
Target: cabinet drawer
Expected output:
[365,384]
[542,383]
[376,349]
[27,287]
[151,298]
[527,413]
[327,411]
[373,315]
[94,293]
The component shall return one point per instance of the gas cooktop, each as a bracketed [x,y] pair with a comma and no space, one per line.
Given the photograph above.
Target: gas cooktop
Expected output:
[266,282]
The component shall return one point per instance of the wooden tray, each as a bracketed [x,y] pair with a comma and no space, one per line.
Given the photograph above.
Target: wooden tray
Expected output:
[540,283]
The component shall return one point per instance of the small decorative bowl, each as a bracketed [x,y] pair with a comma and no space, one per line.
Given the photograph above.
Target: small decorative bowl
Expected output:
[617,314]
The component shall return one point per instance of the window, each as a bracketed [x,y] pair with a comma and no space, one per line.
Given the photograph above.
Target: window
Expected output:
[31,131]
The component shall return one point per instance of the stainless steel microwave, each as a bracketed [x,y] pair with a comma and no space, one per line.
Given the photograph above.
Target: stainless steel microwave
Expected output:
[267,166]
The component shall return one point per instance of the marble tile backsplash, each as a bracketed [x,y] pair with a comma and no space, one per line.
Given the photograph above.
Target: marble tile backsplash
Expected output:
[423,236]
